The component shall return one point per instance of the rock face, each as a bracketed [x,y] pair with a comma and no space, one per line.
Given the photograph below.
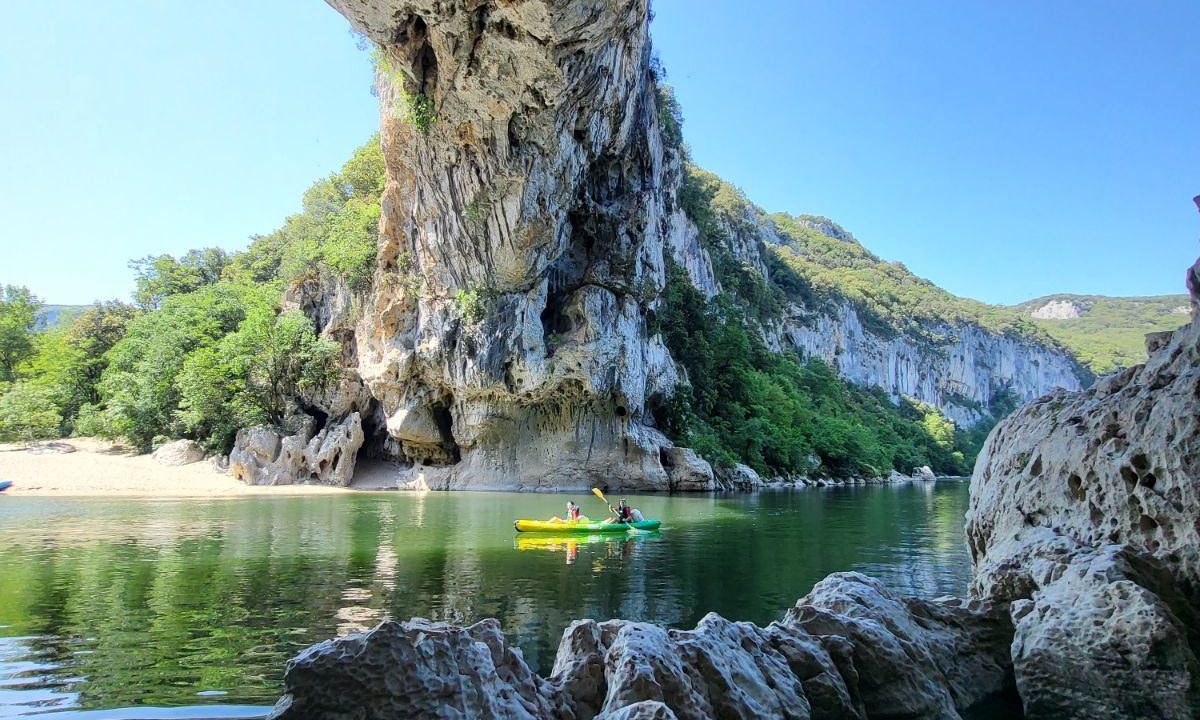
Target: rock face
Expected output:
[1083,515]
[958,368]
[179,452]
[1057,310]
[849,650]
[520,251]
[1118,463]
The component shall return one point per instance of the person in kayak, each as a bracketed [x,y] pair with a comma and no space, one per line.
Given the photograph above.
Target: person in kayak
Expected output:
[622,513]
[573,514]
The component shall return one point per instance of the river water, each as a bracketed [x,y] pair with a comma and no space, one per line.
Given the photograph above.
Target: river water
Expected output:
[117,608]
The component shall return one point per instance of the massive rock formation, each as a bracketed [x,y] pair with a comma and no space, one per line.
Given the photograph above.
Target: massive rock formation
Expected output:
[520,249]
[530,209]
[849,650]
[1083,515]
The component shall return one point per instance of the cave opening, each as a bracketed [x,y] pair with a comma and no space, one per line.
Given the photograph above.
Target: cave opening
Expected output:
[445,423]
[320,418]
[377,443]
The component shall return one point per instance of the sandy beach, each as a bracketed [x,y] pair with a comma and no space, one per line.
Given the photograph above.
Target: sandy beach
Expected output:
[99,467]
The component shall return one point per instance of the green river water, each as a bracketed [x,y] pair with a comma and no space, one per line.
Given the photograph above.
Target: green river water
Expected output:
[112,608]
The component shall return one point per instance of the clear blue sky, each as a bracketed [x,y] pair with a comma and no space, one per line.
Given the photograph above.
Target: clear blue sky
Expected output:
[1003,150]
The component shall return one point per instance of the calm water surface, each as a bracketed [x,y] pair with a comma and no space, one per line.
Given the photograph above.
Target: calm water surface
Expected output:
[195,605]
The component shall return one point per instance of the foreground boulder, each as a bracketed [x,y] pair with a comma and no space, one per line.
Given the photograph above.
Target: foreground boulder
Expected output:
[179,452]
[1096,640]
[832,657]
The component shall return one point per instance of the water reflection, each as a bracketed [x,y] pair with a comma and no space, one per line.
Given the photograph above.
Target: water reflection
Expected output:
[128,603]
[615,545]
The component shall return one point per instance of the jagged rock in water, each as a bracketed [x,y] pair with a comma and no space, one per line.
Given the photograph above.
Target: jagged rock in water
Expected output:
[179,452]
[261,457]
[738,477]
[834,657]
[416,669]
[913,657]
[923,473]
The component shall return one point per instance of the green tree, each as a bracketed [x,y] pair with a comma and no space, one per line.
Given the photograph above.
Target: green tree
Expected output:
[138,390]
[254,375]
[28,412]
[160,276]
[18,318]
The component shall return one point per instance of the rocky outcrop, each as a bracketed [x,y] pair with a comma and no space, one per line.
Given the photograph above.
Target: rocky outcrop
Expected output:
[1098,638]
[1057,310]
[923,473]
[738,477]
[849,650]
[521,243]
[1083,516]
[1116,464]
[179,452]
[261,456]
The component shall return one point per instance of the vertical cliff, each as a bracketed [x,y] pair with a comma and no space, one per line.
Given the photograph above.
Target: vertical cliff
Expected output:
[520,247]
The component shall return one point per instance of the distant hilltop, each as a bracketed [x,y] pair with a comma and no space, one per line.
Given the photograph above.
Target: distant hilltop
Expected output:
[52,315]
[1106,333]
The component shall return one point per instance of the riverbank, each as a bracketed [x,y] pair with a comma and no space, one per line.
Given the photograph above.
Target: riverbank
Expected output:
[100,467]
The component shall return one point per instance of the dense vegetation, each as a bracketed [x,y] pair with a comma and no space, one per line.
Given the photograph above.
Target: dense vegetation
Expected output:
[206,349]
[1110,333]
[781,414]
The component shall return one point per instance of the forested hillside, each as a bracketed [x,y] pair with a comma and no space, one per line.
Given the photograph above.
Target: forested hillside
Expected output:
[1106,333]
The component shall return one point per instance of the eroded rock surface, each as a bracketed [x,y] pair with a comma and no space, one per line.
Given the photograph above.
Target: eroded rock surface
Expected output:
[849,650]
[1083,515]
[1118,463]
[260,456]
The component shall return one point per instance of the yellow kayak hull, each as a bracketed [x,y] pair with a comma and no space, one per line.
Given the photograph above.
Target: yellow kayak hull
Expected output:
[584,528]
